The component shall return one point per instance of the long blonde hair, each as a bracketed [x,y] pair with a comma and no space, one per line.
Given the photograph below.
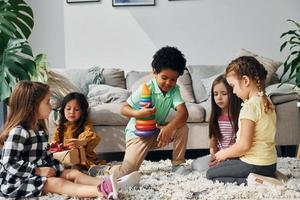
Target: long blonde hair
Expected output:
[249,66]
[24,107]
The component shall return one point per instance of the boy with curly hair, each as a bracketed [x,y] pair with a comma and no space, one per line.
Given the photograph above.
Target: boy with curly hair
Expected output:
[167,65]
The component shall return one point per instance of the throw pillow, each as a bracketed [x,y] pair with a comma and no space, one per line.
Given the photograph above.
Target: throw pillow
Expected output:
[199,72]
[184,82]
[207,83]
[83,77]
[270,65]
[99,94]
[114,77]
[60,86]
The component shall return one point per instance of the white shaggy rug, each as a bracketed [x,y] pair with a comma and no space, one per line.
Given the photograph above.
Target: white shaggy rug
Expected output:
[157,182]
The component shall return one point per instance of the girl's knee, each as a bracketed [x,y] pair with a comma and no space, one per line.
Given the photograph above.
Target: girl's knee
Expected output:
[52,184]
[70,174]
[209,174]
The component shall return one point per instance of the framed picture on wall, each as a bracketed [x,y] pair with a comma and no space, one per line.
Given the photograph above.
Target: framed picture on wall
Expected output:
[81,1]
[133,2]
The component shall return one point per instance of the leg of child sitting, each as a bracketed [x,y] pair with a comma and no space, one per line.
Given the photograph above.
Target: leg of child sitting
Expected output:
[80,178]
[235,170]
[76,184]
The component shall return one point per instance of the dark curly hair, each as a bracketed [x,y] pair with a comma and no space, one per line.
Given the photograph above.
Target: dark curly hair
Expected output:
[168,58]
[84,107]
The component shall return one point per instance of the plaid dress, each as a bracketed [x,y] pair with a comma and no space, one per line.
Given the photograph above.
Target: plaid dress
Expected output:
[23,151]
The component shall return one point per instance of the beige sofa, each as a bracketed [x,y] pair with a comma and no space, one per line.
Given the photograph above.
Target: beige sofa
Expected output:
[107,89]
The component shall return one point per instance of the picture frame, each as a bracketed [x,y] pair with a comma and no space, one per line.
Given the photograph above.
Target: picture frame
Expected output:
[117,3]
[81,1]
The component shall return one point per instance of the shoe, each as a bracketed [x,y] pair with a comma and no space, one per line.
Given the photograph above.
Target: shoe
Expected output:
[180,169]
[99,170]
[259,180]
[129,180]
[109,187]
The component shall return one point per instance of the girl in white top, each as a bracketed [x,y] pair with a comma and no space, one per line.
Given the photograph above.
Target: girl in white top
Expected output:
[254,150]
[223,122]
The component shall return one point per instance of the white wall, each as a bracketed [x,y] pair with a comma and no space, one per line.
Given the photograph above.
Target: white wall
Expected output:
[48,31]
[207,31]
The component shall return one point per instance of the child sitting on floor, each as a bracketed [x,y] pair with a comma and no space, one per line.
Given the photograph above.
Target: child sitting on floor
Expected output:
[27,168]
[254,150]
[223,122]
[75,129]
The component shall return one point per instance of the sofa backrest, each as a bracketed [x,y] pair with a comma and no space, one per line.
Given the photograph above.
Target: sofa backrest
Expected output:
[82,78]
[134,79]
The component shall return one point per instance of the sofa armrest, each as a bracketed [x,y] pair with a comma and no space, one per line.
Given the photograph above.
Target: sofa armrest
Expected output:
[285,99]
[279,99]
[284,93]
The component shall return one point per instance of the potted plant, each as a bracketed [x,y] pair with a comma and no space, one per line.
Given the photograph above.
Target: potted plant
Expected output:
[16,58]
[292,62]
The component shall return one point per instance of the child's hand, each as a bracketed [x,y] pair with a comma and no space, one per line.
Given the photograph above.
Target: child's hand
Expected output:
[212,160]
[220,156]
[146,112]
[75,143]
[45,171]
[165,136]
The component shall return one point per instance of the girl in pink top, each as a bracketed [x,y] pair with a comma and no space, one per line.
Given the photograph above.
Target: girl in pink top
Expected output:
[223,122]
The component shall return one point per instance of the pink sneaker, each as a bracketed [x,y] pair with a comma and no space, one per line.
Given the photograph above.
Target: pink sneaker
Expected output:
[109,187]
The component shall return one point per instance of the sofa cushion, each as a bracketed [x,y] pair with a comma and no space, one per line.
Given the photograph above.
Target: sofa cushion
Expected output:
[134,79]
[270,65]
[108,114]
[207,108]
[200,72]
[196,113]
[99,94]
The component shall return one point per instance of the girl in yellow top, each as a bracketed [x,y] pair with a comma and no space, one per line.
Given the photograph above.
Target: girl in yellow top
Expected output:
[74,129]
[254,150]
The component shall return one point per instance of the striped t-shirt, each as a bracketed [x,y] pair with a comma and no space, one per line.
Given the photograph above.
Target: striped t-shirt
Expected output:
[227,132]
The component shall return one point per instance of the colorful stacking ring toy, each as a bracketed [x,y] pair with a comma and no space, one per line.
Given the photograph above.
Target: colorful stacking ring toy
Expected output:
[146,127]
[146,133]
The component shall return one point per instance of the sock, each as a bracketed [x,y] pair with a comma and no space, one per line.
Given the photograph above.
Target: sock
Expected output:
[129,180]
[180,169]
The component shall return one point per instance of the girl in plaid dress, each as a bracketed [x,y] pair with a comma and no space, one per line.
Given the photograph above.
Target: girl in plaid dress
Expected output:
[27,169]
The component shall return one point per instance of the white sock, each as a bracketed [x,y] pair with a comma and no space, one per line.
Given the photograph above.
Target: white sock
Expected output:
[129,180]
